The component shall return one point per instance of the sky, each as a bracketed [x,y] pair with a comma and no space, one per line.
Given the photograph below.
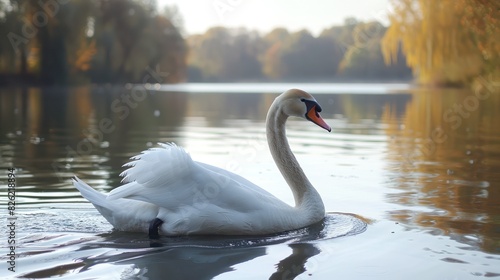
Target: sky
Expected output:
[263,16]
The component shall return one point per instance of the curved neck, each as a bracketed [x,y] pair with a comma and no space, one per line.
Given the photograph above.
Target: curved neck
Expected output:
[303,192]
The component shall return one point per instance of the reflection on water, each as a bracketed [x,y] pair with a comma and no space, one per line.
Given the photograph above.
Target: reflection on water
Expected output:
[194,257]
[293,265]
[145,263]
[425,165]
[447,158]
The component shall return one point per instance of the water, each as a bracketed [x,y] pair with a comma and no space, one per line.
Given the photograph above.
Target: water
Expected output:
[410,178]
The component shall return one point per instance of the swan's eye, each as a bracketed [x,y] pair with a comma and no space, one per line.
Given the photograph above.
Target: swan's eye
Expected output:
[310,104]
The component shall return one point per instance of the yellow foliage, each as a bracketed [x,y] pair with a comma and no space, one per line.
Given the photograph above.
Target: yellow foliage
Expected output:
[441,39]
[272,63]
[84,55]
[33,58]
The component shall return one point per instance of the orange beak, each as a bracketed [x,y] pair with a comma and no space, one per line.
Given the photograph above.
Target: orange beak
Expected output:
[313,115]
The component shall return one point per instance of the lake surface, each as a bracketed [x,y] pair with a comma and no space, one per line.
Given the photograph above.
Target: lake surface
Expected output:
[410,178]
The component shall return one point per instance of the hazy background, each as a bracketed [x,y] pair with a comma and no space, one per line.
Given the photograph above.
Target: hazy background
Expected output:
[293,15]
[439,43]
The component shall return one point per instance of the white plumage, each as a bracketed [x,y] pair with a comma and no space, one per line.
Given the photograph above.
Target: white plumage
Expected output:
[196,198]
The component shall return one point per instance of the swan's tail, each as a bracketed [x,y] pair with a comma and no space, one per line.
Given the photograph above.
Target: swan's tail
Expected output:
[95,197]
[123,214]
[106,208]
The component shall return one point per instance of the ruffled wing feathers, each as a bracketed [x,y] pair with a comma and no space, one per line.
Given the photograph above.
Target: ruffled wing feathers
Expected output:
[161,165]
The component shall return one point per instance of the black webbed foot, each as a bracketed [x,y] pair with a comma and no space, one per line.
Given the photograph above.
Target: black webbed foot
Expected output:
[153,228]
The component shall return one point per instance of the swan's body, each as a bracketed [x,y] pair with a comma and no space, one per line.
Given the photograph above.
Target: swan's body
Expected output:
[164,184]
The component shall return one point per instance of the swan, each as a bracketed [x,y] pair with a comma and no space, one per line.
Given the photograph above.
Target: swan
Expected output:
[166,193]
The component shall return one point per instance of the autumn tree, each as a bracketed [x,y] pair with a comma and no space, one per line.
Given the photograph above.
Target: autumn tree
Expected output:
[59,44]
[38,38]
[482,19]
[447,41]
[272,64]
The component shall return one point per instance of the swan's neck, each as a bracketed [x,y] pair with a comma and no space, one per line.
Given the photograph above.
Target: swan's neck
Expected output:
[305,195]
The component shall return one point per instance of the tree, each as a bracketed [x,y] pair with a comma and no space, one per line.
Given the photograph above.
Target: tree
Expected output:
[441,39]
[306,57]
[342,34]
[14,49]
[222,54]
[364,60]
[226,55]
[271,59]
[482,17]
[79,41]
[119,28]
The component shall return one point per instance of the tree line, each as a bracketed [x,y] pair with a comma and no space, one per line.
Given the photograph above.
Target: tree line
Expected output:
[346,52]
[54,42]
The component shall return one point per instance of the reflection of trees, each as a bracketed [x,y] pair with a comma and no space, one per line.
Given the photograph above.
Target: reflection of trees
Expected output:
[217,108]
[63,127]
[449,165]
[139,115]
[357,107]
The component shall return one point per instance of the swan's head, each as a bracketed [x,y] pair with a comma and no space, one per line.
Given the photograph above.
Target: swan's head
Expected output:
[298,103]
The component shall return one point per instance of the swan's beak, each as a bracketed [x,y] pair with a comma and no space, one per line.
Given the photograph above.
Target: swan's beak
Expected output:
[313,115]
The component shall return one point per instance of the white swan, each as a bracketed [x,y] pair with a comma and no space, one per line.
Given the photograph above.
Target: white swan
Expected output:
[168,193]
